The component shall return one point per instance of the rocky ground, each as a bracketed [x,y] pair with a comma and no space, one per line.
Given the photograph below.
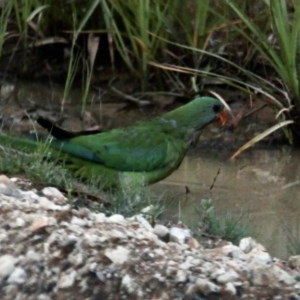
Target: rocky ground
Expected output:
[49,250]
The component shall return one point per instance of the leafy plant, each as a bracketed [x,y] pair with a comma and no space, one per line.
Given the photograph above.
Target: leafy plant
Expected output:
[75,55]
[134,199]
[229,226]
[279,47]
[4,19]
[134,27]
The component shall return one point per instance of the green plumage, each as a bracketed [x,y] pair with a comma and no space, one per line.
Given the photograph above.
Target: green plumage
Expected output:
[144,153]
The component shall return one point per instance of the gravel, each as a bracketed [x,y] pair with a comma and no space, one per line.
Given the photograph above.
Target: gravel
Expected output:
[49,250]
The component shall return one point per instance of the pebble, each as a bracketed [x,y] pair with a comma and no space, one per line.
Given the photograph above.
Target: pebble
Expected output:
[229,276]
[99,217]
[161,231]
[203,286]
[17,276]
[5,180]
[41,223]
[258,257]
[7,265]
[230,288]
[247,244]
[181,276]
[50,205]
[234,252]
[10,191]
[142,221]
[179,235]
[32,255]
[53,192]
[19,223]
[294,262]
[129,284]
[119,219]
[67,280]
[283,276]
[118,255]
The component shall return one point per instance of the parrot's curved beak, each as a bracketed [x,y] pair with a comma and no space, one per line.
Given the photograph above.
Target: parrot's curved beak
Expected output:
[223,117]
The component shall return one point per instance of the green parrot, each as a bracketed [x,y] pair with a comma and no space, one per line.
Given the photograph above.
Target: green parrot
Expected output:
[141,154]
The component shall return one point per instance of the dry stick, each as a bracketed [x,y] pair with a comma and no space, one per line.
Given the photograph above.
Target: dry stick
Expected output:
[129,97]
[255,110]
[215,179]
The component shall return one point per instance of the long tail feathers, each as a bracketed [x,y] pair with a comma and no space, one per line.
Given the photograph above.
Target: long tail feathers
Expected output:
[62,134]
[18,143]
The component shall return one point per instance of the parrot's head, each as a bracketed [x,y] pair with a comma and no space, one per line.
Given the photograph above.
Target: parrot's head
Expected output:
[200,112]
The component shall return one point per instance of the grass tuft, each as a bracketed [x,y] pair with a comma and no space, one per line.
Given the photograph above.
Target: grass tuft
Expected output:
[229,226]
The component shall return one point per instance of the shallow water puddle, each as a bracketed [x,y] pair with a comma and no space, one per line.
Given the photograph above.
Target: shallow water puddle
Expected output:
[263,183]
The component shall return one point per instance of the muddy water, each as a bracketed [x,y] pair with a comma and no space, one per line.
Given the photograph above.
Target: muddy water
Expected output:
[264,183]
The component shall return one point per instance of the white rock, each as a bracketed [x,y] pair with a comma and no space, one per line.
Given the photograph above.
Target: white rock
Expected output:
[117,234]
[161,231]
[283,276]
[217,271]
[260,277]
[41,223]
[43,297]
[206,267]
[10,191]
[194,244]
[142,234]
[19,222]
[78,221]
[189,262]
[17,276]
[53,192]
[229,276]
[181,276]
[234,252]
[203,286]
[230,288]
[99,217]
[30,195]
[119,219]
[294,262]
[271,275]
[118,255]
[258,256]
[159,277]
[142,221]
[67,280]
[76,259]
[49,205]
[196,261]
[32,255]
[94,239]
[5,180]
[7,265]
[159,252]
[129,284]
[179,235]
[247,244]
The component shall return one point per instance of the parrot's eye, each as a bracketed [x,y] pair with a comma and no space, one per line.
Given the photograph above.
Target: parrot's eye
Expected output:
[217,108]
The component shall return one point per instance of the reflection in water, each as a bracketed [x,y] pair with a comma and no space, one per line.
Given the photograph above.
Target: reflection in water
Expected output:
[263,183]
